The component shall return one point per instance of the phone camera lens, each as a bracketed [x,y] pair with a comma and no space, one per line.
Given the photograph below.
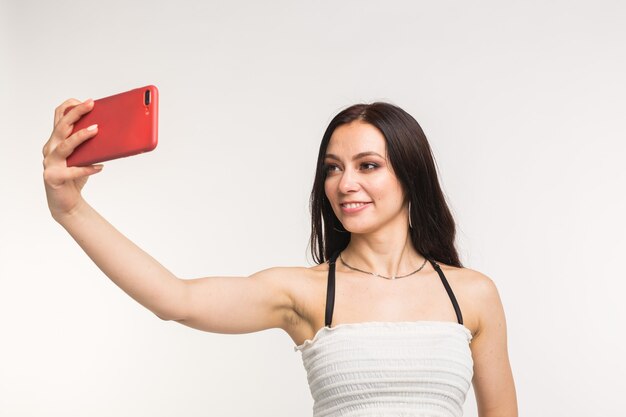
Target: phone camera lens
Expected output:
[146,97]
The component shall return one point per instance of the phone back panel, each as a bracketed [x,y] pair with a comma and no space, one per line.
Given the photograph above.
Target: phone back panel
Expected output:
[127,125]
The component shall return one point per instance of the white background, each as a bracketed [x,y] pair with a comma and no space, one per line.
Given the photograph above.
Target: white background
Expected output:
[523,104]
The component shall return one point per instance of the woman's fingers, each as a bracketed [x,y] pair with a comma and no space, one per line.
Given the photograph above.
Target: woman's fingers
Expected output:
[60,110]
[63,185]
[64,121]
[57,176]
[73,173]
[70,117]
[66,147]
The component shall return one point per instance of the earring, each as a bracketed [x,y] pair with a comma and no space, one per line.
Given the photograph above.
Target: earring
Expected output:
[410,224]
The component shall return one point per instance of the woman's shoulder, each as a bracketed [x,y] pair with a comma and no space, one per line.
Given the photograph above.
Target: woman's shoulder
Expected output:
[305,286]
[477,293]
[293,272]
[468,278]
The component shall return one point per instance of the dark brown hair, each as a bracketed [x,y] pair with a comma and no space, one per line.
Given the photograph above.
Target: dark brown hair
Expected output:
[433,229]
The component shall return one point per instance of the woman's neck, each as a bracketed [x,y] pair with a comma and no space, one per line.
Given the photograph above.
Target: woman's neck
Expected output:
[386,254]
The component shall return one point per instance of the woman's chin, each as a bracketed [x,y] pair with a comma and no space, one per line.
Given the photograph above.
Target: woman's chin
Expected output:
[359,229]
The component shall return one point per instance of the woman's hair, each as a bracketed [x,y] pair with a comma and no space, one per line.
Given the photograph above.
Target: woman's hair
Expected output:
[433,229]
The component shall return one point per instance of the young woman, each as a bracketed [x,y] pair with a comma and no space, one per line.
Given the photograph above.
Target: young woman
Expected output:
[388,322]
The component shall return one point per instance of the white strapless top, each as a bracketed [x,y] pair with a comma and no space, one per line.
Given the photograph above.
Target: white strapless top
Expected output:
[421,368]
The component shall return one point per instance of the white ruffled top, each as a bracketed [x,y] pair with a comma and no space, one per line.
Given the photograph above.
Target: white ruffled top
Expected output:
[421,368]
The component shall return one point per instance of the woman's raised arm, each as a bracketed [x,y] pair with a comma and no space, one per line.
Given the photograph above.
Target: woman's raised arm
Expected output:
[219,304]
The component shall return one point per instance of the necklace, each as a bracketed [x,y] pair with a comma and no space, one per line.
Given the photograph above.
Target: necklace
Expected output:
[378,275]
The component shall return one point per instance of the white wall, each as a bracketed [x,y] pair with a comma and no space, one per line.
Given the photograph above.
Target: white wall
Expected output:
[523,103]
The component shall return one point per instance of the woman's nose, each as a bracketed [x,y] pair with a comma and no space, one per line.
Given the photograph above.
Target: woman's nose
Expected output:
[348,182]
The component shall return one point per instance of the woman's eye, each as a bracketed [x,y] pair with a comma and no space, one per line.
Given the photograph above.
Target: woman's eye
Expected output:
[368,166]
[328,168]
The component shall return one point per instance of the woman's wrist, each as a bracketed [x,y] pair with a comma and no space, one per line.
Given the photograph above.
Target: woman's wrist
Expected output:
[65,217]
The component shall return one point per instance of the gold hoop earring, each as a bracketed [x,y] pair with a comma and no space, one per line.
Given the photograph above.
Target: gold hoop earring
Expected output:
[410,224]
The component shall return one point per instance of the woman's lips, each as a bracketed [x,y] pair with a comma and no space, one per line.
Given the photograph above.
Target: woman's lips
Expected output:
[353,207]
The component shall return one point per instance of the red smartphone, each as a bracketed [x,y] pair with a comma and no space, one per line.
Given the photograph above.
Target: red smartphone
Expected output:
[127,125]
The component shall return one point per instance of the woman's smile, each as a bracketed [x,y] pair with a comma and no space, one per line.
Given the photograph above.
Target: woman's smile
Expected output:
[355,207]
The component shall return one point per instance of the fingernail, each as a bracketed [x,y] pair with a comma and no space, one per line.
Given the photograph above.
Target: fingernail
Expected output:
[98,167]
[88,101]
[92,127]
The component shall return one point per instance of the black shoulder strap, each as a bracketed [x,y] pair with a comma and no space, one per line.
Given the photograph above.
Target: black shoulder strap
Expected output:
[457,310]
[330,290]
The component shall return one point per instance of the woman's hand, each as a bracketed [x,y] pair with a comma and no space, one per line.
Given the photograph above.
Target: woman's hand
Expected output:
[63,183]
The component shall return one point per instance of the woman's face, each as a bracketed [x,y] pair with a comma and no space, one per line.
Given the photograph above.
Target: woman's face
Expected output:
[360,183]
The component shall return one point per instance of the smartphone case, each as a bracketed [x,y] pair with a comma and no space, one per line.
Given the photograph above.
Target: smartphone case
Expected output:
[127,125]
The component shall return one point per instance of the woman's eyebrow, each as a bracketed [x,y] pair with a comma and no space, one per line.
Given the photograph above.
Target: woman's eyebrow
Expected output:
[357,156]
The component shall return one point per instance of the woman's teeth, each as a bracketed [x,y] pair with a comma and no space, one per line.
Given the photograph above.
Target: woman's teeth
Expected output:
[353,205]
